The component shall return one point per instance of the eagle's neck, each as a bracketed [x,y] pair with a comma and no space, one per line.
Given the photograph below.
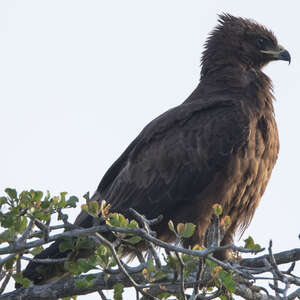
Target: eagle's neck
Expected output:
[235,82]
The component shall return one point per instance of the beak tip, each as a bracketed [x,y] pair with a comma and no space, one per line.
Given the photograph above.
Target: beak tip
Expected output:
[285,55]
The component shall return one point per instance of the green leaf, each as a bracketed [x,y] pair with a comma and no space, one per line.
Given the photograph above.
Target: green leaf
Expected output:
[10,263]
[72,267]
[188,231]
[172,262]
[7,220]
[133,224]
[250,244]
[85,208]
[102,250]
[87,196]
[133,240]
[84,243]
[26,282]
[37,196]
[42,216]
[227,280]
[62,203]
[185,230]
[103,256]
[91,277]
[81,283]
[46,203]
[93,208]
[63,195]
[20,224]
[164,295]
[3,200]
[217,209]
[84,266]
[171,226]
[106,277]
[21,280]
[118,220]
[12,193]
[180,228]
[160,274]
[150,266]
[7,235]
[118,291]
[65,245]
[37,250]
[212,265]
[72,201]
[190,267]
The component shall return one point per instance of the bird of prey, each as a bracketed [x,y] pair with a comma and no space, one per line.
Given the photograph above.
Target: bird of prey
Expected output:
[219,146]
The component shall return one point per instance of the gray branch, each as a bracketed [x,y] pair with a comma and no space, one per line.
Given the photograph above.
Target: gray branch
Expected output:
[245,269]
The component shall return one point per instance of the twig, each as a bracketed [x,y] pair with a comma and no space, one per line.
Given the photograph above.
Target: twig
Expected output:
[181,275]
[38,233]
[291,268]
[103,297]
[131,276]
[46,260]
[64,218]
[146,225]
[273,262]
[121,267]
[6,259]
[280,258]
[275,271]
[210,297]
[199,275]
[44,228]
[294,294]
[2,274]
[26,233]
[5,282]
[137,231]
[18,266]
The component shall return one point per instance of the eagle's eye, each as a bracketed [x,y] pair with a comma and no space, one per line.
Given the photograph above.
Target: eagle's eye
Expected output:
[261,42]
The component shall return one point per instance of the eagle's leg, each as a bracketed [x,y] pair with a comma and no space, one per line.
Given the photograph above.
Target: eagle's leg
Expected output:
[211,234]
[226,240]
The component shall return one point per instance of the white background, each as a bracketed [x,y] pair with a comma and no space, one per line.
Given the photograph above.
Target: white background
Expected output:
[80,79]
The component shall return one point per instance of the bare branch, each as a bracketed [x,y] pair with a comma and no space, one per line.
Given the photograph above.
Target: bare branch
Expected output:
[5,282]
[293,295]
[102,295]
[121,267]
[246,270]
[46,260]
[280,258]
[146,225]
[182,266]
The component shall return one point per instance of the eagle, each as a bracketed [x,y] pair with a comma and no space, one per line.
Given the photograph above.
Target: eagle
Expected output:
[219,146]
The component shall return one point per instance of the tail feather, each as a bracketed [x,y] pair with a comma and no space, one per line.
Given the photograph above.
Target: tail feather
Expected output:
[40,273]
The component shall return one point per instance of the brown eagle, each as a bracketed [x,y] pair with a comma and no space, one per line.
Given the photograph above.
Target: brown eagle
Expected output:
[219,146]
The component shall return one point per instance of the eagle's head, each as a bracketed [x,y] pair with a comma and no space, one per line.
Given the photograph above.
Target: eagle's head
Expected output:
[241,41]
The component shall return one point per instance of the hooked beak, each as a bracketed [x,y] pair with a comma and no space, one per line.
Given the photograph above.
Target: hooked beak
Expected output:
[278,54]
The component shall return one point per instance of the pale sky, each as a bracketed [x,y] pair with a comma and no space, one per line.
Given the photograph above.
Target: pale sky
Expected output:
[80,79]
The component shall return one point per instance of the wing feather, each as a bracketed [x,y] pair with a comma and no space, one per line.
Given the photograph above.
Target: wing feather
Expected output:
[175,157]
